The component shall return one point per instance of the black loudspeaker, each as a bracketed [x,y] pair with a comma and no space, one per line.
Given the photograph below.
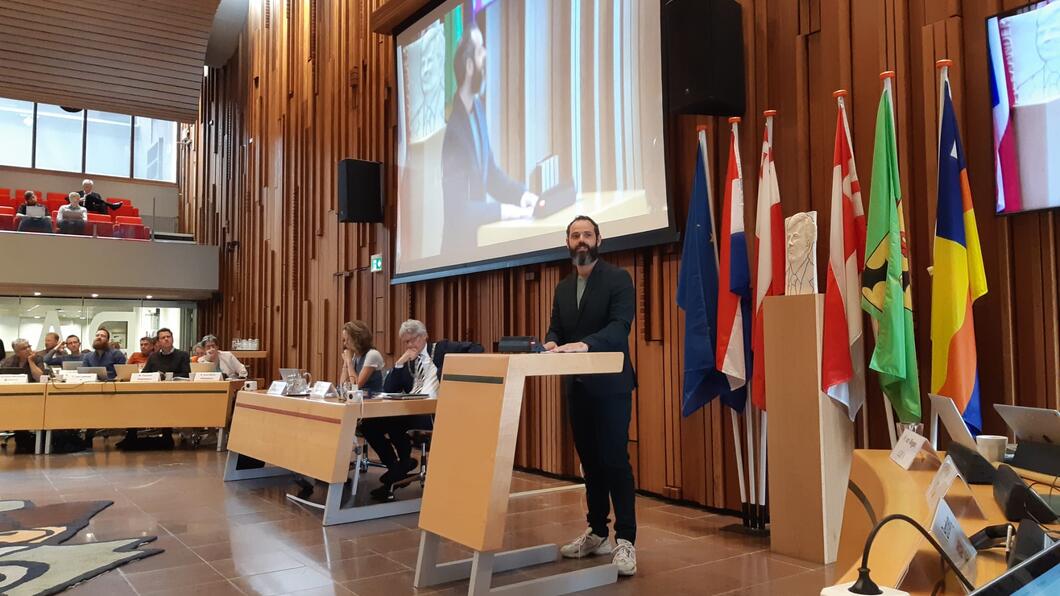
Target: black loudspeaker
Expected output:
[360,191]
[703,57]
[973,467]
[1017,500]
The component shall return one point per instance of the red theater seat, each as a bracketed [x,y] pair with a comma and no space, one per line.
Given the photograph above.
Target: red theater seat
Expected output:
[102,225]
[130,227]
[7,218]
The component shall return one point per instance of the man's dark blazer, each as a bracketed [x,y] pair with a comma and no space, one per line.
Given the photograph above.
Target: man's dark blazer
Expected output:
[469,174]
[94,203]
[603,322]
[400,379]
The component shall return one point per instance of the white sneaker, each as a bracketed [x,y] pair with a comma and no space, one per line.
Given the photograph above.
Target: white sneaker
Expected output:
[625,557]
[585,545]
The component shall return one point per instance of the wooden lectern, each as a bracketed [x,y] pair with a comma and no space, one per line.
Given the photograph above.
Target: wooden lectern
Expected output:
[811,436]
[472,453]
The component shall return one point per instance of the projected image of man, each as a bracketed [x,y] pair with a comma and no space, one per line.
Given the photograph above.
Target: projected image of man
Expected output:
[470,175]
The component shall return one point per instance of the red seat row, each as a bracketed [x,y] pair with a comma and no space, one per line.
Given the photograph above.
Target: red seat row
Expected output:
[121,226]
[53,200]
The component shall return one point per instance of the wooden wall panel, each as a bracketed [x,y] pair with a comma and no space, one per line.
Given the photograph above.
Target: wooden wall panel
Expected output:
[259,179]
[125,56]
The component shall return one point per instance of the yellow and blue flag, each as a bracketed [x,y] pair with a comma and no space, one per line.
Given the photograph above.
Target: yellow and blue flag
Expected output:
[958,277]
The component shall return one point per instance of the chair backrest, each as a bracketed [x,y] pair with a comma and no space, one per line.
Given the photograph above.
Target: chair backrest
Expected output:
[7,210]
[99,218]
[128,220]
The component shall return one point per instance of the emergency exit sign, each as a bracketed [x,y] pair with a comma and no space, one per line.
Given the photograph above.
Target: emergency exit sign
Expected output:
[377,263]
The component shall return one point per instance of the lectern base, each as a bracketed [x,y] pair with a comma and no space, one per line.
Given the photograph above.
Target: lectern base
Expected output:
[481,567]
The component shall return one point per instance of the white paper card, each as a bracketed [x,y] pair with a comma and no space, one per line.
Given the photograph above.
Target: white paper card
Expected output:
[947,530]
[142,377]
[321,389]
[208,376]
[13,379]
[277,388]
[909,446]
[941,483]
[80,378]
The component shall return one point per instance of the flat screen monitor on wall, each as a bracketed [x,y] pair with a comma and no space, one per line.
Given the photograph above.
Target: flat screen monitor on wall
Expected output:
[1024,71]
[516,115]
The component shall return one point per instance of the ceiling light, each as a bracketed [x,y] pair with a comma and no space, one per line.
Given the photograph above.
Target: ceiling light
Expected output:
[36,317]
[36,293]
[95,295]
[149,296]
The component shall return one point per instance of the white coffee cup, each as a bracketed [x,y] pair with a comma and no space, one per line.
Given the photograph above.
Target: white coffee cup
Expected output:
[992,447]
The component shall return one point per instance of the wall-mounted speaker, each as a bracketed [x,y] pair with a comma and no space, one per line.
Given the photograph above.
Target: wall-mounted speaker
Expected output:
[703,57]
[360,191]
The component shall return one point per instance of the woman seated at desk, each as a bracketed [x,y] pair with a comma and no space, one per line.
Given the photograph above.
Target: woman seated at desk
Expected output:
[362,364]
[227,362]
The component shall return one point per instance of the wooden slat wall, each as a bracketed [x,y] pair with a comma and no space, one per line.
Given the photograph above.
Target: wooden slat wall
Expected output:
[125,56]
[259,178]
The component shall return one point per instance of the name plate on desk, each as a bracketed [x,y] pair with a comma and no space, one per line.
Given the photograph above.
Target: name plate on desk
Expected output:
[909,446]
[208,376]
[941,483]
[321,389]
[947,530]
[80,378]
[142,377]
[277,388]
[13,379]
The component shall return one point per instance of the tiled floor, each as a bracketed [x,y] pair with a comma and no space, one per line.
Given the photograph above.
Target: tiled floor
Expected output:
[246,538]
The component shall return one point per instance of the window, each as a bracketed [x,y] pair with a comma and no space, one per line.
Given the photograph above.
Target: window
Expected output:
[156,155]
[108,140]
[60,138]
[86,141]
[16,130]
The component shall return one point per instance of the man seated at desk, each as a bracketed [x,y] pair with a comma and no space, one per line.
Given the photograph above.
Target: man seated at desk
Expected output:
[73,349]
[26,359]
[418,370]
[147,347]
[103,355]
[168,359]
[54,350]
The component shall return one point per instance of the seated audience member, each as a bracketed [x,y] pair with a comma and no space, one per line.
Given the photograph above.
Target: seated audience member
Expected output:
[362,364]
[54,350]
[147,347]
[197,351]
[27,222]
[167,359]
[72,216]
[103,354]
[3,352]
[33,365]
[73,349]
[25,358]
[93,202]
[227,363]
[418,370]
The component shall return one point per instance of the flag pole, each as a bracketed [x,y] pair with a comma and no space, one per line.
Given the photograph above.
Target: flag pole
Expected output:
[745,510]
[702,133]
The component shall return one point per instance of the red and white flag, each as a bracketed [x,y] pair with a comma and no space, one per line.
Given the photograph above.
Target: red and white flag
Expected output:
[734,276]
[843,350]
[769,257]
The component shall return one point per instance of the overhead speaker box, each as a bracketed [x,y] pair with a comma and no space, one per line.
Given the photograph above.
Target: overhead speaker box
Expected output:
[703,57]
[360,191]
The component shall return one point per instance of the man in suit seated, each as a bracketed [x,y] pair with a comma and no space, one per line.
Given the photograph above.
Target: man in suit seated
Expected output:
[93,202]
[418,370]
[470,173]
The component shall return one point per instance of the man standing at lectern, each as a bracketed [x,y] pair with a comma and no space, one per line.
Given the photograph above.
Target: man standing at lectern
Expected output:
[592,311]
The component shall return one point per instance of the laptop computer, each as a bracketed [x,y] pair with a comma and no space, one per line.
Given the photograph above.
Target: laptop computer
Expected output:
[36,211]
[99,371]
[72,365]
[124,372]
[198,367]
[12,371]
[943,407]
[1040,425]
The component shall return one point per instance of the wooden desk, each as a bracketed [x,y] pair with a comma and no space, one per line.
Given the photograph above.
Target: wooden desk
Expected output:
[900,556]
[135,405]
[313,438]
[472,452]
[22,408]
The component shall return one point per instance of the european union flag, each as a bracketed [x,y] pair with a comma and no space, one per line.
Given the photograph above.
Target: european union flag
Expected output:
[697,295]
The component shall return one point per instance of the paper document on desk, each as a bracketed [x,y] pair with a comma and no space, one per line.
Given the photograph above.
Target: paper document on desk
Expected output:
[402,395]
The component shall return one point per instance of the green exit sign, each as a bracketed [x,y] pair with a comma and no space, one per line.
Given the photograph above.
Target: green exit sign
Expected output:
[377,263]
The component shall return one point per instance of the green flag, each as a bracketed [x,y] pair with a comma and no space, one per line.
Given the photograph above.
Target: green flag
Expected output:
[885,285]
